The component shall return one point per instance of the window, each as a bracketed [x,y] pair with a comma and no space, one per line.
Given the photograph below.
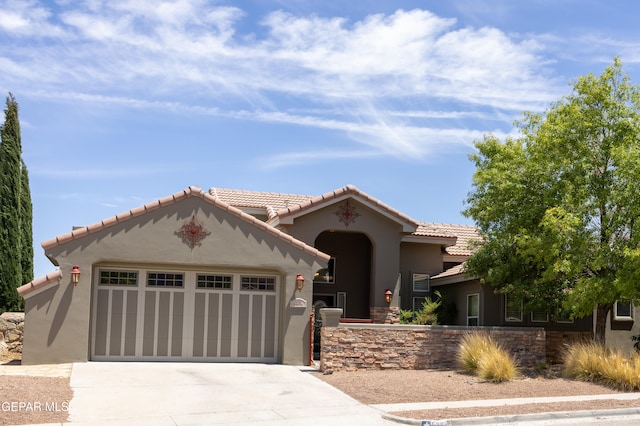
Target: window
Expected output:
[258,283]
[326,275]
[540,316]
[417,303]
[420,282]
[342,301]
[513,309]
[623,311]
[162,279]
[214,281]
[118,277]
[473,309]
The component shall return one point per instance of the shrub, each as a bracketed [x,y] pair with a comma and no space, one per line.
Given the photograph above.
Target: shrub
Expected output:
[480,354]
[427,315]
[595,363]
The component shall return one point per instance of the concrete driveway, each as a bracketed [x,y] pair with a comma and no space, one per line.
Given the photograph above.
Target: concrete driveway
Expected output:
[149,393]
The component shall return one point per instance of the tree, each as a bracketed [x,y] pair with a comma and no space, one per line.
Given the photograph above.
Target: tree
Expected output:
[16,254]
[558,205]
[26,222]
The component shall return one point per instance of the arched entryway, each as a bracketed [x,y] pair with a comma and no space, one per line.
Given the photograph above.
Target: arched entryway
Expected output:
[347,281]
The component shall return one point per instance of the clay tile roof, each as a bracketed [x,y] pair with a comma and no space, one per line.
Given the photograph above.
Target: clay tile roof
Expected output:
[52,277]
[256,199]
[466,234]
[192,191]
[346,190]
[454,270]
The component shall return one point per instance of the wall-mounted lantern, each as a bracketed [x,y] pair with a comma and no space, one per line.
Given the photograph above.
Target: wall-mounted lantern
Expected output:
[75,274]
[387,296]
[299,282]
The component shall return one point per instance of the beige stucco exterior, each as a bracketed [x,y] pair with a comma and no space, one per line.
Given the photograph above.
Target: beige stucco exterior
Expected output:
[58,315]
[383,233]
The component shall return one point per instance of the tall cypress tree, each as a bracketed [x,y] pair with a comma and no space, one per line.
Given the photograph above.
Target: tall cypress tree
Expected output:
[11,231]
[26,222]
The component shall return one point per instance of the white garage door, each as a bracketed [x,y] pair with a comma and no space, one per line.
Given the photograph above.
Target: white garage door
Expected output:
[173,315]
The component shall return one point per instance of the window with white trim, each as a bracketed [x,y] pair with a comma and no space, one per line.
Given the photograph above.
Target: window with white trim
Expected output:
[623,311]
[341,301]
[540,316]
[473,309]
[111,277]
[258,283]
[165,279]
[214,281]
[513,309]
[421,282]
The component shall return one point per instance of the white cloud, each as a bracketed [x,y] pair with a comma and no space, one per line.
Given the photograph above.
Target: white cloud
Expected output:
[367,74]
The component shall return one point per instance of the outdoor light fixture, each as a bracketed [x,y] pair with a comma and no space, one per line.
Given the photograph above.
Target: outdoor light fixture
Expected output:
[75,274]
[387,296]
[299,282]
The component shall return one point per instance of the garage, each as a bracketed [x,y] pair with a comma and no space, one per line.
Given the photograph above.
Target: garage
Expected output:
[174,315]
[184,278]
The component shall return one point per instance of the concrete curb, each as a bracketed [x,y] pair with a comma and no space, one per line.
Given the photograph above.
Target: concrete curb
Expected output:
[521,418]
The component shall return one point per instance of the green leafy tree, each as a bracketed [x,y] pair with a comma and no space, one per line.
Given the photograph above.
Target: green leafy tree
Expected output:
[558,205]
[15,212]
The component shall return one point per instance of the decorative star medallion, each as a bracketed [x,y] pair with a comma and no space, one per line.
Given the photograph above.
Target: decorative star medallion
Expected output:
[347,214]
[192,233]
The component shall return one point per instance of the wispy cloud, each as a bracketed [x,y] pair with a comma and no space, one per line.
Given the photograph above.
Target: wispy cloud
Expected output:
[366,75]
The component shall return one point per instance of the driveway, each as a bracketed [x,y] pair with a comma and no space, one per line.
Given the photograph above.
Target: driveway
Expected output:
[149,393]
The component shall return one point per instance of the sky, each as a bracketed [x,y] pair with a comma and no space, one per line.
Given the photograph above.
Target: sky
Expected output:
[126,101]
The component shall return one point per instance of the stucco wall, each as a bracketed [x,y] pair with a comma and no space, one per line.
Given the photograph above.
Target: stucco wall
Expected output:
[57,325]
[381,347]
[383,233]
[619,333]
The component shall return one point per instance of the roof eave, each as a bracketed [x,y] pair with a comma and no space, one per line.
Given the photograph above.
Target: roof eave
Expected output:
[425,239]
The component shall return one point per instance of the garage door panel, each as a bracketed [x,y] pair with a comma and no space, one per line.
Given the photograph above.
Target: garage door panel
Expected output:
[131,319]
[243,326]
[149,331]
[213,316]
[164,316]
[102,314]
[256,326]
[115,334]
[199,324]
[225,324]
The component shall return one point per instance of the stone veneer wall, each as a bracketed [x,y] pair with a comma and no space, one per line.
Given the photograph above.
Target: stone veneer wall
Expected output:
[558,340]
[11,327]
[413,347]
[390,315]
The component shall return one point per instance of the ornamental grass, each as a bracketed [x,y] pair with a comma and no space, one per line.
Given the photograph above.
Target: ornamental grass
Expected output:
[594,362]
[479,354]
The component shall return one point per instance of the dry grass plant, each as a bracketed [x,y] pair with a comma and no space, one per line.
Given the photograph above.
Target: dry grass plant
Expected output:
[595,363]
[479,354]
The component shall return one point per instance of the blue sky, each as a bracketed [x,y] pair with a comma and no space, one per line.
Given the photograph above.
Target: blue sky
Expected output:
[125,101]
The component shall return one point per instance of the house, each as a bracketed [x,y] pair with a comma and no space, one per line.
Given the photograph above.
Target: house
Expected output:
[233,275]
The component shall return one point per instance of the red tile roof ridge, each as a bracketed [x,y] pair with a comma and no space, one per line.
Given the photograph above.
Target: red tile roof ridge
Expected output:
[336,193]
[40,282]
[190,191]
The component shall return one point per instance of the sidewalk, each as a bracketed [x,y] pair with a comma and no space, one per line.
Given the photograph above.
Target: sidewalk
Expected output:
[564,417]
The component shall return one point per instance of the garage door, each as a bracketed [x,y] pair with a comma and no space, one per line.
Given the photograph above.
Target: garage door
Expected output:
[177,315]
